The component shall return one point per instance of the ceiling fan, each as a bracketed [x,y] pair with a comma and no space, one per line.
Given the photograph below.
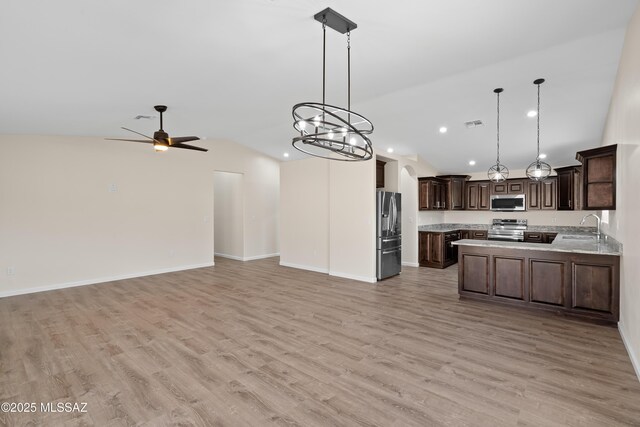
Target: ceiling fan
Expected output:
[161,140]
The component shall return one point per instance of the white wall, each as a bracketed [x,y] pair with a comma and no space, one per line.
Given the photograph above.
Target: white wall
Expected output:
[228,197]
[304,214]
[328,217]
[61,225]
[623,128]
[352,220]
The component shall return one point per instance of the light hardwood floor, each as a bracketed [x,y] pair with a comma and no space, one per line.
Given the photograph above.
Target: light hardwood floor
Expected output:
[258,344]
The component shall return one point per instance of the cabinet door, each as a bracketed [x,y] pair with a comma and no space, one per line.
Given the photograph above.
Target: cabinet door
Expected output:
[456,193]
[436,248]
[548,191]
[484,196]
[435,196]
[499,187]
[423,195]
[565,190]
[598,177]
[533,195]
[380,173]
[471,190]
[516,186]
[423,245]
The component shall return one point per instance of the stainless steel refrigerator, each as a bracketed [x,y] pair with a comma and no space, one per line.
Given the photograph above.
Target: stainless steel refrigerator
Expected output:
[389,234]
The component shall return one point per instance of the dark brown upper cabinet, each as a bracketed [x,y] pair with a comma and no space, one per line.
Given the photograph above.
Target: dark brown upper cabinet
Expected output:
[478,195]
[380,173]
[569,188]
[455,197]
[511,186]
[598,177]
[541,195]
[432,194]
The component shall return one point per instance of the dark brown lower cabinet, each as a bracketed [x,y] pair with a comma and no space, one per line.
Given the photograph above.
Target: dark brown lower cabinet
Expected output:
[435,249]
[509,277]
[474,234]
[584,285]
[539,237]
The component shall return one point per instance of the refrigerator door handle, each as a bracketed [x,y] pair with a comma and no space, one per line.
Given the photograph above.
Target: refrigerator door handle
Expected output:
[390,239]
[391,251]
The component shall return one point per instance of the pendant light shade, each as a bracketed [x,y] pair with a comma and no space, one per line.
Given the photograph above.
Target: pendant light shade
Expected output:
[328,131]
[498,172]
[538,170]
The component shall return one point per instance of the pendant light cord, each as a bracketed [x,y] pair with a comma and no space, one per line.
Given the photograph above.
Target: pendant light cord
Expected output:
[538,157]
[498,133]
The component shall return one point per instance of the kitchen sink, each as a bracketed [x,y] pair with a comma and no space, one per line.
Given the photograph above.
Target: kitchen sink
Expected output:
[579,237]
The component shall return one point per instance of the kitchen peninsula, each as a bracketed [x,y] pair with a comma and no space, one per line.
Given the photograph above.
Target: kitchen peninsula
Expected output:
[577,274]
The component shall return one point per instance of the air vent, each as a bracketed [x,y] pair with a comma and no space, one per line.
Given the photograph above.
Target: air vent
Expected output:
[140,116]
[473,123]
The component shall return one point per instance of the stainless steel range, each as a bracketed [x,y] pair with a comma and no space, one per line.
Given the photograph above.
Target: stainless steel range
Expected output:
[507,229]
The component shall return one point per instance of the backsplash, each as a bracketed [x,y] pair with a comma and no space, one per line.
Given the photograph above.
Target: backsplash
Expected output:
[569,218]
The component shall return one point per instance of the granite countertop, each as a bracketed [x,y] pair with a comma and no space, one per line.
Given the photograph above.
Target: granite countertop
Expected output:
[445,228]
[566,229]
[564,242]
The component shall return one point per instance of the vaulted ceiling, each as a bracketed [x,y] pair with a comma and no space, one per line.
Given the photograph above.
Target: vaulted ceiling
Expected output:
[234,69]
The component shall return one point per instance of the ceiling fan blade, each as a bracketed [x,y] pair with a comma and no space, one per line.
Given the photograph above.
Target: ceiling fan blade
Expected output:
[141,134]
[130,140]
[188,147]
[181,139]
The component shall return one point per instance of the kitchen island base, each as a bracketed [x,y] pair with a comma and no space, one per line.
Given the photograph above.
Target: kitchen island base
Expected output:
[577,284]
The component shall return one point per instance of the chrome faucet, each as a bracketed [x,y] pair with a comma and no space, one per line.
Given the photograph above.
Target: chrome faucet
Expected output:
[599,221]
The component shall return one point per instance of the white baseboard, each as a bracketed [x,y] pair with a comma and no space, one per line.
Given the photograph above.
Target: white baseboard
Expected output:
[331,273]
[248,258]
[234,257]
[101,280]
[634,358]
[354,277]
[252,258]
[305,267]
[410,264]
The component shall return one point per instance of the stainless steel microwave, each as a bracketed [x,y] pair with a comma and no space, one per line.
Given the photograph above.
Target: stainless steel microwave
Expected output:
[510,202]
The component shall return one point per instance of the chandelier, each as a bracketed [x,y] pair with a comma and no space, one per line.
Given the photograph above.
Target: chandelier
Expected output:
[538,170]
[498,172]
[328,131]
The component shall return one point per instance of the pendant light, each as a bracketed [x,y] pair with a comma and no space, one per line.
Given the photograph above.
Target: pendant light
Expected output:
[328,131]
[498,172]
[538,170]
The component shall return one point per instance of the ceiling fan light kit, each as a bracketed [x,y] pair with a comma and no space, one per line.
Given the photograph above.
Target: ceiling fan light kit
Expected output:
[328,131]
[538,170]
[498,172]
[161,140]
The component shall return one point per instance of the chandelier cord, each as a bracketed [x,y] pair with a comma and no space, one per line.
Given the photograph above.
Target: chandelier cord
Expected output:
[324,55]
[348,70]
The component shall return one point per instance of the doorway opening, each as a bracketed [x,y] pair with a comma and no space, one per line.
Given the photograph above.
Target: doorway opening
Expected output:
[228,215]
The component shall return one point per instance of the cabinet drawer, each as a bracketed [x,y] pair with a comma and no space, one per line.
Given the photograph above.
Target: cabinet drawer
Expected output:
[479,234]
[533,237]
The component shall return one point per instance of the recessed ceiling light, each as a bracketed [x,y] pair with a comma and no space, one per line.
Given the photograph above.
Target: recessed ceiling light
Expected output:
[543,156]
[389,150]
[443,129]
[472,162]
[532,113]
[286,154]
